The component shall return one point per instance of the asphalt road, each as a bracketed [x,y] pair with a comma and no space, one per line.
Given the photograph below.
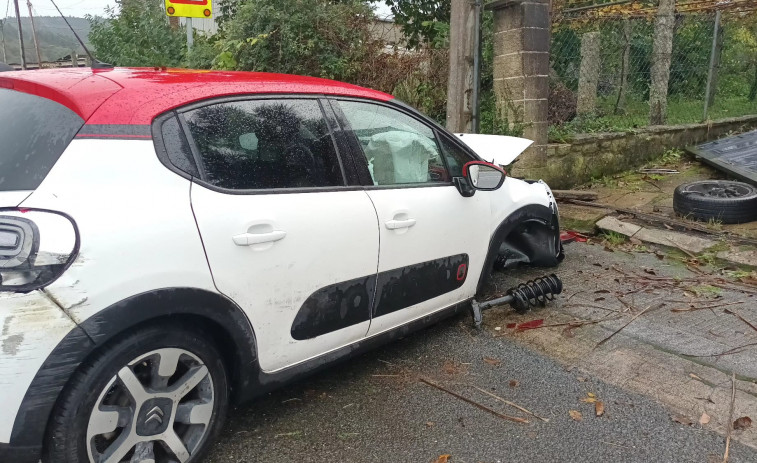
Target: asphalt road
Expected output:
[374,409]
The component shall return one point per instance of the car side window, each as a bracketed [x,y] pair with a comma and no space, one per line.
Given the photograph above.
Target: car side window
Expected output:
[265,144]
[178,150]
[454,155]
[397,148]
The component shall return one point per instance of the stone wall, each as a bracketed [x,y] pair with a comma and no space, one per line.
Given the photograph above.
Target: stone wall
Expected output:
[594,155]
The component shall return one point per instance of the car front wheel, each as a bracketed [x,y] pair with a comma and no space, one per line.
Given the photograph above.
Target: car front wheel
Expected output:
[158,395]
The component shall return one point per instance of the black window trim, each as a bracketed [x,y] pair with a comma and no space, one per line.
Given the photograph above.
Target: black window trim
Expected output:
[326,110]
[358,158]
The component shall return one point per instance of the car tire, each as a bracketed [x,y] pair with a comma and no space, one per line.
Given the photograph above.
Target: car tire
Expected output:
[179,399]
[724,201]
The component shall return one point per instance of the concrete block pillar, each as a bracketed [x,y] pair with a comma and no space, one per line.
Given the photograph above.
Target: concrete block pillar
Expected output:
[588,76]
[521,74]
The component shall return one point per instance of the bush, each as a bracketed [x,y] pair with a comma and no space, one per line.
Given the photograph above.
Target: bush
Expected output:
[136,33]
[308,37]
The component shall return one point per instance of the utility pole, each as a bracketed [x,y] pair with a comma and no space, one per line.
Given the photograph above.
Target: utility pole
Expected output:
[20,36]
[34,35]
[462,38]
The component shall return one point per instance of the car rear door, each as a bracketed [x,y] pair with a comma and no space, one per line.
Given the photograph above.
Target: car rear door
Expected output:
[286,237]
[433,240]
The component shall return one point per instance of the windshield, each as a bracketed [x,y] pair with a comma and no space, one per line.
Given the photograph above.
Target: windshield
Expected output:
[34,132]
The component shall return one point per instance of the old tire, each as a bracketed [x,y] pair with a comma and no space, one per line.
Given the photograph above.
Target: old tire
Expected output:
[159,394]
[723,201]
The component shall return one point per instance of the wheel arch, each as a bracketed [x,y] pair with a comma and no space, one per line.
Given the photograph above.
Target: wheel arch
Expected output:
[213,313]
[534,213]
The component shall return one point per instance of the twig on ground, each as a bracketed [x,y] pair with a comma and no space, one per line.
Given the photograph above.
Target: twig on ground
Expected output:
[546,420]
[735,350]
[475,404]
[651,306]
[730,418]
[711,306]
[741,318]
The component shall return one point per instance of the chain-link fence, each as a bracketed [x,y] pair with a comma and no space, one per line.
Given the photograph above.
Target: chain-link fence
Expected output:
[605,64]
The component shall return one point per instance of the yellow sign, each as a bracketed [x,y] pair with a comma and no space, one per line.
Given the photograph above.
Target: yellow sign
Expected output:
[189,8]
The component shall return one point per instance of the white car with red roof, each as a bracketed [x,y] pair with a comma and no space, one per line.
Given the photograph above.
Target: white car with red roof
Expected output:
[175,242]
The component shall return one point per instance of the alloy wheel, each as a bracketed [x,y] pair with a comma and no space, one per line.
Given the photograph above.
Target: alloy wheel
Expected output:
[156,409]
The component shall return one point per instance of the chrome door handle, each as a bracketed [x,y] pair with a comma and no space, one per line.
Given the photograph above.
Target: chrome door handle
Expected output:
[248,239]
[397,224]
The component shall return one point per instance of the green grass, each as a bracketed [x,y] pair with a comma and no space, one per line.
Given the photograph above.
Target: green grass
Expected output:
[680,111]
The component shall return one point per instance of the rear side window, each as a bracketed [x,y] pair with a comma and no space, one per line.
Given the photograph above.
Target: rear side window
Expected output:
[34,132]
[264,144]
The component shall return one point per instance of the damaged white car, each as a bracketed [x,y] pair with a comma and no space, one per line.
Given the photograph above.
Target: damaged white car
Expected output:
[175,242]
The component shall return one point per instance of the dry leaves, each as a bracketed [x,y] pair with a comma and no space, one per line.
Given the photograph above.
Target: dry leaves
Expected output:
[514,383]
[590,398]
[704,419]
[599,408]
[492,361]
[576,415]
[443,458]
[742,423]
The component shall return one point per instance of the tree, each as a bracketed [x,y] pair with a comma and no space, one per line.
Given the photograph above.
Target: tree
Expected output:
[137,33]
[310,37]
[422,21]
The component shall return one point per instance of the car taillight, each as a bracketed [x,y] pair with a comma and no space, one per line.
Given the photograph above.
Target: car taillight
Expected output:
[36,247]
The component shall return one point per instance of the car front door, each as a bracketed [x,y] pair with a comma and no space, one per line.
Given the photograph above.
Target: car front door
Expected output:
[285,237]
[433,240]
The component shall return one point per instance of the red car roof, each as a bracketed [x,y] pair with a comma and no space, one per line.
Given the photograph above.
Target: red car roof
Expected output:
[135,96]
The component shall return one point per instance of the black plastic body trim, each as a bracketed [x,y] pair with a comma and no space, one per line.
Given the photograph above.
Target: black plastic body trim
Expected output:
[335,307]
[354,301]
[213,309]
[19,454]
[404,287]
[266,382]
[532,212]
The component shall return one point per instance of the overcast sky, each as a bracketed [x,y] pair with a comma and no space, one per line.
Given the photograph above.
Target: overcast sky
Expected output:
[82,7]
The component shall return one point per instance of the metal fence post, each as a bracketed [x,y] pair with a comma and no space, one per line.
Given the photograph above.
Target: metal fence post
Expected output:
[713,58]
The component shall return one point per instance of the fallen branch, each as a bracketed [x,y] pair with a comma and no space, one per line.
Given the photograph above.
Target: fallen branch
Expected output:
[575,194]
[662,219]
[629,322]
[546,420]
[475,404]
[730,418]
[711,306]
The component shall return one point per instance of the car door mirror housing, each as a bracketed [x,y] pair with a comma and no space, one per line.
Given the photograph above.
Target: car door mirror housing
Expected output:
[483,175]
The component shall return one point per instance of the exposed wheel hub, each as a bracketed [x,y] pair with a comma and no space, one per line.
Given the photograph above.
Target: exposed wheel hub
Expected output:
[157,409]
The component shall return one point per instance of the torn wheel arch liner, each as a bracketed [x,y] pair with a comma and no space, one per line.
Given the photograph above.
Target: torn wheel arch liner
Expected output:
[542,216]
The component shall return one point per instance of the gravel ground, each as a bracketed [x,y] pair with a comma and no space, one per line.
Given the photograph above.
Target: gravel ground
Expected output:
[374,409]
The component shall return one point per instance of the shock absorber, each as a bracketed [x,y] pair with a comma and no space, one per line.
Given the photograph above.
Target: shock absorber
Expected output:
[533,293]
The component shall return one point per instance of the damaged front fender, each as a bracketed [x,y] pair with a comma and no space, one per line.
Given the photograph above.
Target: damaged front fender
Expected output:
[530,235]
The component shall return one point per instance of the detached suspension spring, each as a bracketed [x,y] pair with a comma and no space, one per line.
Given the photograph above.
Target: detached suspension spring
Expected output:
[533,293]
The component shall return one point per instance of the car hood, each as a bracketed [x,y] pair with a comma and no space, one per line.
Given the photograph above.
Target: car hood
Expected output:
[497,149]
[12,198]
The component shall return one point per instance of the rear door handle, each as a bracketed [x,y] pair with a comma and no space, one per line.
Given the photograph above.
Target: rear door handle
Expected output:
[248,239]
[397,224]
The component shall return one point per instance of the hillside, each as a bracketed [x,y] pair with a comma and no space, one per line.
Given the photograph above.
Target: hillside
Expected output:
[55,38]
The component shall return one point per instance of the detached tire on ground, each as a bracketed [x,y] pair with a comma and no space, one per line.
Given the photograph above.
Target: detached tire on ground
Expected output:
[157,395]
[723,201]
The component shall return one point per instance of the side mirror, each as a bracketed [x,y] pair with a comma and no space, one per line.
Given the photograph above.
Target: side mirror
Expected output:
[483,175]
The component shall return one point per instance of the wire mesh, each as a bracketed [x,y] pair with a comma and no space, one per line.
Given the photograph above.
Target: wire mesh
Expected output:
[619,66]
